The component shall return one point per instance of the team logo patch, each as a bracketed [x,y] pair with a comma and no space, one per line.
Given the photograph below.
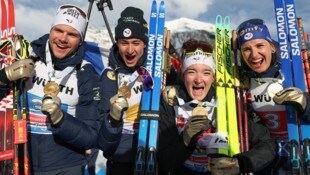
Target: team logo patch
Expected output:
[127,32]
[69,21]
[248,36]
[196,58]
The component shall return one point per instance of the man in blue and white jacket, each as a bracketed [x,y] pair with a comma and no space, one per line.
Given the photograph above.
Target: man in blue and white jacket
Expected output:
[121,87]
[60,126]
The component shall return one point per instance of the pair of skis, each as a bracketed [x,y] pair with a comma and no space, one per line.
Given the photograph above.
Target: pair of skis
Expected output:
[290,51]
[13,129]
[19,50]
[149,114]
[6,108]
[226,111]
[304,39]
[14,114]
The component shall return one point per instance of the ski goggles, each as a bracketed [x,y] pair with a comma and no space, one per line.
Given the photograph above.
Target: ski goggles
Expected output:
[145,77]
[252,29]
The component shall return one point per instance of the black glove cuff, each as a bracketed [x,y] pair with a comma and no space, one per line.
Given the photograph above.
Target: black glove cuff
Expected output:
[245,164]
[3,78]
[57,125]
[191,146]
[113,122]
[193,141]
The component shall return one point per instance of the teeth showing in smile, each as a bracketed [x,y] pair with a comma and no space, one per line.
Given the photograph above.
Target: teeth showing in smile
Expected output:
[255,62]
[60,46]
[197,90]
[197,87]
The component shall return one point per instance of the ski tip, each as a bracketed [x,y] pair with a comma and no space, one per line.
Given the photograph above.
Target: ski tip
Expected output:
[218,20]
[154,9]
[162,3]
[227,20]
[162,7]
[154,5]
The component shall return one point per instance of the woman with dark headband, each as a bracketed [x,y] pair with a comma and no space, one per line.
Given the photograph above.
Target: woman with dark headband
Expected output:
[187,125]
[62,95]
[260,62]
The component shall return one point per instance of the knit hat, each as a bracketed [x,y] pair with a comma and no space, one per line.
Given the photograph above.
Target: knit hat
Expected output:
[198,57]
[72,16]
[252,29]
[131,24]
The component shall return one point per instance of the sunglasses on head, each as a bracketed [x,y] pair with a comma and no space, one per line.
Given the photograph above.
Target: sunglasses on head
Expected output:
[255,21]
[194,46]
[198,51]
[82,13]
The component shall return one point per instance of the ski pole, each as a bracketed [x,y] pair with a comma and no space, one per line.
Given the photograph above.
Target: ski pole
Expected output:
[90,6]
[101,8]
[23,53]
[304,48]
[20,115]
[166,58]
[238,90]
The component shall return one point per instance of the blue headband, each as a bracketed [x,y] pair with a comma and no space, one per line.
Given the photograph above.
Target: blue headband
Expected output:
[253,31]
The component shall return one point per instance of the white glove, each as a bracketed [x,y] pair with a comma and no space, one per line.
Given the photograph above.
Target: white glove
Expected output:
[170,95]
[118,105]
[292,96]
[51,106]
[20,69]
[224,166]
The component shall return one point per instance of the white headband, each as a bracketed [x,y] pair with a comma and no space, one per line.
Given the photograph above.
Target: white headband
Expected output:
[198,57]
[71,15]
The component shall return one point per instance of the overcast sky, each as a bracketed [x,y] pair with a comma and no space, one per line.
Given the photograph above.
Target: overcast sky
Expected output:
[34,17]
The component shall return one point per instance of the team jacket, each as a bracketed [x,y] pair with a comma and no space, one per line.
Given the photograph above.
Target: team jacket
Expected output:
[173,154]
[112,78]
[50,147]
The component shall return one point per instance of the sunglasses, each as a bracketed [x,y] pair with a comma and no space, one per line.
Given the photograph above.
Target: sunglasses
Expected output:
[198,51]
[255,21]
[82,13]
[145,77]
[191,46]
